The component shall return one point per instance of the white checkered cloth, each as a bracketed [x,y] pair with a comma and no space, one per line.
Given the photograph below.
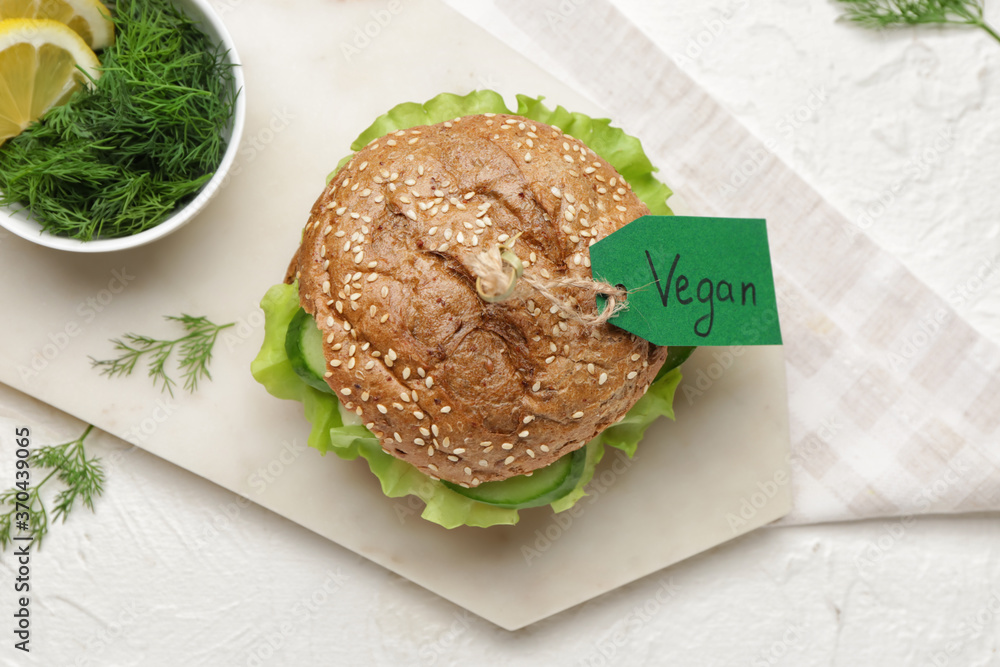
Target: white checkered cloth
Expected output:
[894,399]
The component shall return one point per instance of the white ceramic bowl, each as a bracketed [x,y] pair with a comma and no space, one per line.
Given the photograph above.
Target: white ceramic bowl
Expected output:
[18,222]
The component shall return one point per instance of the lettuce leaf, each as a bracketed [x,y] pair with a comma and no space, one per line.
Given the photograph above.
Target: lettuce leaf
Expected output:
[348,441]
[623,151]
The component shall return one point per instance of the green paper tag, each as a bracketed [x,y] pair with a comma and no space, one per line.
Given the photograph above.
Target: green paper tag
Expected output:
[692,280]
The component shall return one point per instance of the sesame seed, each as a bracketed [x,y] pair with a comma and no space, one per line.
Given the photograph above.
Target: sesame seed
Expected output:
[335,363]
[421,372]
[483,463]
[523,434]
[549,360]
[446,409]
[603,378]
[418,414]
[406,373]
[536,386]
[577,414]
[435,430]
[508,460]
[382,408]
[424,431]
[398,437]
[385,291]
[631,376]
[372,277]
[411,214]
[527,157]
[404,396]
[350,363]
[530,453]
[447,442]
[329,321]
[459,450]
[453,458]
[398,406]
[365,396]
[528,419]
[507,446]
[544,448]
[634,357]
[345,391]
[429,382]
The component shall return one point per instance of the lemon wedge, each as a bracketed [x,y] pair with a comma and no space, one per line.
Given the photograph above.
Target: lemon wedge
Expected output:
[87,18]
[38,70]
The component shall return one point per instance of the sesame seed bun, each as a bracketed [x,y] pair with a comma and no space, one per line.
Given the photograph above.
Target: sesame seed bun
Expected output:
[465,390]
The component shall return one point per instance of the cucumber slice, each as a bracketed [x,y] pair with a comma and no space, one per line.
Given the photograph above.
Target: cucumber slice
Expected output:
[304,347]
[676,355]
[543,487]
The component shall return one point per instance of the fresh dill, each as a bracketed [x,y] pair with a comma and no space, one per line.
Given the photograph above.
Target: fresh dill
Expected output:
[194,353]
[890,13]
[82,477]
[118,157]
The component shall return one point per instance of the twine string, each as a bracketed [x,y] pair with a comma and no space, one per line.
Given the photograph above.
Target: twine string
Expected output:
[496,282]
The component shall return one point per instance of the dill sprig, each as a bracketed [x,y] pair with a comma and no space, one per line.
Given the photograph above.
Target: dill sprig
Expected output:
[82,478]
[891,13]
[119,157]
[194,351]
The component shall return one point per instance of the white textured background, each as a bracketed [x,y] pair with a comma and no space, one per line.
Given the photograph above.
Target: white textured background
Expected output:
[134,585]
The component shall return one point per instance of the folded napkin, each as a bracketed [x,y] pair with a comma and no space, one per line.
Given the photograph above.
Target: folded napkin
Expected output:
[894,398]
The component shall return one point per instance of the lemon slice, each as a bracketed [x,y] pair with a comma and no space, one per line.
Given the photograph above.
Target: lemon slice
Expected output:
[38,70]
[87,18]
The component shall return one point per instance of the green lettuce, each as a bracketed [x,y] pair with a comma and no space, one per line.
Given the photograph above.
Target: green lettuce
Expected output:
[329,433]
